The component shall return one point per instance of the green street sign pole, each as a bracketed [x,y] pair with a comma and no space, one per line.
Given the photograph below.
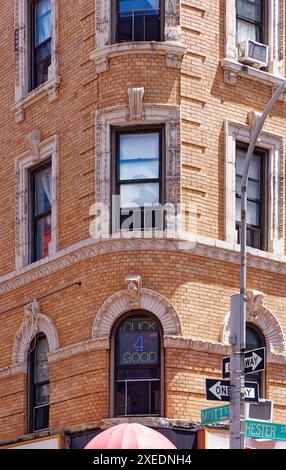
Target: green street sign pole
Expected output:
[215,415]
[263,430]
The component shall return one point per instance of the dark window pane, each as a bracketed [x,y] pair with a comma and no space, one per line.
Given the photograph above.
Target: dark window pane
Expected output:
[138,398]
[139,20]
[41,361]
[120,398]
[41,418]
[155,397]
[249,9]
[125,373]
[42,394]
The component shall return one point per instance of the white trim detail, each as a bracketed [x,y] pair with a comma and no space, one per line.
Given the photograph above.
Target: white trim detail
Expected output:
[24,98]
[151,301]
[275,145]
[269,326]
[46,149]
[230,64]
[118,116]
[33,323]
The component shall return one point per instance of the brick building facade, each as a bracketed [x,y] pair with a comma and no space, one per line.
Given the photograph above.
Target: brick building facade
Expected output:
[187,84]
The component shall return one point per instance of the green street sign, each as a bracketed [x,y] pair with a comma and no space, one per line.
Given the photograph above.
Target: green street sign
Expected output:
[260,430]
[215,415]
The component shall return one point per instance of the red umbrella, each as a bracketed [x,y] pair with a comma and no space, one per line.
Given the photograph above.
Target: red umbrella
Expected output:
[130,436]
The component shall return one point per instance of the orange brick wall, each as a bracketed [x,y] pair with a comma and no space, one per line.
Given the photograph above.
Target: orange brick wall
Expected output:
[198,287]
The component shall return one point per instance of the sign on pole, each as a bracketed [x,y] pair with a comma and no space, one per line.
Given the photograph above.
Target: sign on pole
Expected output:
[254,361]
[219,390]
[215,415]
[260,430]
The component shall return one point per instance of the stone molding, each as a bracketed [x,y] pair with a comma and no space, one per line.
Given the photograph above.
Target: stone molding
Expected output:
[275,29]
[119,303]
[267,323]
[170,341]
[173,52]
[200,246]
[48,149]
[24,98]
[233,69]
[118,116]
[34,322]
[274,144]
[79,348]
[135,97]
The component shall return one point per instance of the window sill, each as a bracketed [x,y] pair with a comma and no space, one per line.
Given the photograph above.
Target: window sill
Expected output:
[173,52]
[233,70]
[49,88]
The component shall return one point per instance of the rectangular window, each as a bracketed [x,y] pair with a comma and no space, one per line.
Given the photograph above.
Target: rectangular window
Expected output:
[256,197]
[40,40]
[40,211]
[138,185]
[138,20]
[250,22]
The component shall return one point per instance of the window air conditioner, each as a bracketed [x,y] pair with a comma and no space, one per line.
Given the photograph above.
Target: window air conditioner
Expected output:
[262,411]
[253,53]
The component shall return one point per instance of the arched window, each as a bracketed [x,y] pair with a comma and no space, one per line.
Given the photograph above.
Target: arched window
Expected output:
[137,345]
[39,384]
[255,340]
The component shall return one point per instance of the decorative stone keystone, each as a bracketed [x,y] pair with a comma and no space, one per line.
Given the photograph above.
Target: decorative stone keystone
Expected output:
[254,302]
[134,284]
[135,96]
[33,140]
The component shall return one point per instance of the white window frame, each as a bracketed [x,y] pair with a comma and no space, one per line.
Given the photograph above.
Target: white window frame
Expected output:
[24,98]
[48,150]
[276,41]
[274,144]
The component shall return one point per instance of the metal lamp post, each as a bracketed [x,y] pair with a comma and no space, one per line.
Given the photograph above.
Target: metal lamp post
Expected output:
[238,302]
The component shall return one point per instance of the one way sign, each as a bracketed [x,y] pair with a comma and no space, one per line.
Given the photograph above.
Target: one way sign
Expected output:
[254,361]
[219,390]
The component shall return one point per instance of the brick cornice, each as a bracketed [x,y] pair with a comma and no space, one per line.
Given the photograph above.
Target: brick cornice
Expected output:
[198,246]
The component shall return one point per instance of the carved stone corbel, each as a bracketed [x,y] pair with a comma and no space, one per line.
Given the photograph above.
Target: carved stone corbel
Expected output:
[252,118]
[230,77]
[134,284]
[33,140]
[254,302]
[135,96]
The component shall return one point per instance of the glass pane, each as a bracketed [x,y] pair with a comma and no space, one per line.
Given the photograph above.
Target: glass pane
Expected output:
[253,340]
[42,394]
[253,213]
[249,9]
[255,164]
[43,188]
[43,237]
[155,397]
[139,5]
[139,156]
[125,27]
[124,373]
[245,30]
[139,345]
[253,189]
[43,21]
[138,398]
[41,361]
[41,418]
[238,209]
[120,398]
[136,195]
[253,238]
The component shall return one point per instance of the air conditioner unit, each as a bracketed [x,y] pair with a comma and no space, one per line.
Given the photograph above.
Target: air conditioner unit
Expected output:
[253,53]
[262,411]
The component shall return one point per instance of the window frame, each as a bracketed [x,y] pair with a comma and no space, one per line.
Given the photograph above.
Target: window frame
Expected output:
[113,362]
[32,203]
[115,164]
[32,386]
[114,23]
[263,25]
[33,72]
[263,201]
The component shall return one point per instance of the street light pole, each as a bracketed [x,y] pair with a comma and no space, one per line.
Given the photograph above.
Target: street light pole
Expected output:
[238,303]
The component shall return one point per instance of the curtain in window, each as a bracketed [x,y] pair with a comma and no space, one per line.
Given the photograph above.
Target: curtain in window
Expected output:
[43,21]
[46,179]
